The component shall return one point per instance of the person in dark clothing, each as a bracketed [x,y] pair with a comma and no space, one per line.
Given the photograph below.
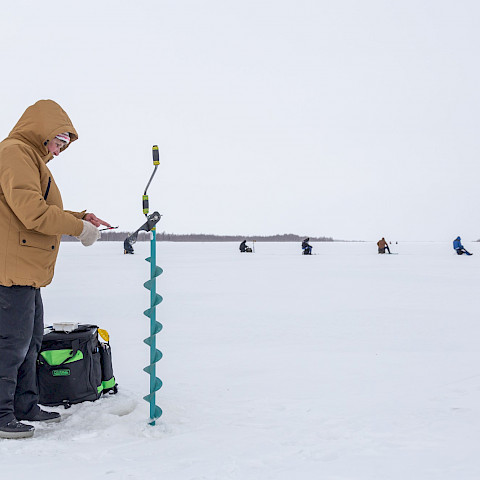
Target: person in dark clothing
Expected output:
[244,247]
[127,247]
[459,248]
[306,247]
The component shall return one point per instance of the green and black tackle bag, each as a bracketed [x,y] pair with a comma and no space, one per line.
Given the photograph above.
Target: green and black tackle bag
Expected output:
[74,366]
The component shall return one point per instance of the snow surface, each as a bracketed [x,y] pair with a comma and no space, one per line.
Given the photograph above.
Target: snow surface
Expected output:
[343,365]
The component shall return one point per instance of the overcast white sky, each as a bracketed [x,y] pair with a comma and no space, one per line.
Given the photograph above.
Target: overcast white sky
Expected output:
[351,119]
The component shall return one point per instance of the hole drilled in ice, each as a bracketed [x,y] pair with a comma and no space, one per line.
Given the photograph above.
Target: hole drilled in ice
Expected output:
[122,407]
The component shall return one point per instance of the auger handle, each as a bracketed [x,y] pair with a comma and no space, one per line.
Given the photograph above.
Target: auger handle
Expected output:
[156,163]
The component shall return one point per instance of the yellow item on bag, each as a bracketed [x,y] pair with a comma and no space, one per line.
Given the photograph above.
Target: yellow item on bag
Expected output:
[104,334]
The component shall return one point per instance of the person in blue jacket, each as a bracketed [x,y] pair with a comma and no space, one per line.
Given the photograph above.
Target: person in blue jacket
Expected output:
[459,248]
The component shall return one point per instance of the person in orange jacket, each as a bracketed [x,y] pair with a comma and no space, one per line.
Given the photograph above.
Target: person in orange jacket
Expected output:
[32,221]
[382,246]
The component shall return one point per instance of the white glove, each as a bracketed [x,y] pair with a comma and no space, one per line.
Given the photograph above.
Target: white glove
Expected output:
[89,235]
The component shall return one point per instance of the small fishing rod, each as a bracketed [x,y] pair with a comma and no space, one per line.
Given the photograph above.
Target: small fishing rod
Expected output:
[106,228]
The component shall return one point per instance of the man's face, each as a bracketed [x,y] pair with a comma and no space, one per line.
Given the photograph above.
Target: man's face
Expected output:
[55,146]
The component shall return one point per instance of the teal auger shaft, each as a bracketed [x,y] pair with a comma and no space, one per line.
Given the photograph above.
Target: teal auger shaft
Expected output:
[155,327]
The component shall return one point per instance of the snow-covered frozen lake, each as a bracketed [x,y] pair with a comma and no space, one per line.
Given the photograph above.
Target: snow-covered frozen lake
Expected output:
[343,365]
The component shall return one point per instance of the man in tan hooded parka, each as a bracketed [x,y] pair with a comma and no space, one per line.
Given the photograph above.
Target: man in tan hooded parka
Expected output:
[32,221]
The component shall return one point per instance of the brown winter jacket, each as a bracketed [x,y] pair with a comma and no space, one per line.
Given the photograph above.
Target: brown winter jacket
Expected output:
[382,243]
[32,219]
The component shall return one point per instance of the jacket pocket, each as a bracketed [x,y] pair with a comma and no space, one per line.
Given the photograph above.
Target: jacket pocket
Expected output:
[38,240]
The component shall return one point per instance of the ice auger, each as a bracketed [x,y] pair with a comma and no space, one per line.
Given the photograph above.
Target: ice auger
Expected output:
[155,299]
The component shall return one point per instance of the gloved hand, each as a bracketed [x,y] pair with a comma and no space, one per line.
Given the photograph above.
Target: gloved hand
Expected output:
[89,235]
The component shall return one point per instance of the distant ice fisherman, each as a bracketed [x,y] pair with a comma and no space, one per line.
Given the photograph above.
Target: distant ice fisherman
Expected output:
[127,247]
[382,245]
[244,247]
[306,247]
[459,248]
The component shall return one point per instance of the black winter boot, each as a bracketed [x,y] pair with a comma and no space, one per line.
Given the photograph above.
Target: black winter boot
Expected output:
[43,416]
[15,429]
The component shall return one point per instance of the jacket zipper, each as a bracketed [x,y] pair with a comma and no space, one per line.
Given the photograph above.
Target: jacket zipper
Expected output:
[48,188]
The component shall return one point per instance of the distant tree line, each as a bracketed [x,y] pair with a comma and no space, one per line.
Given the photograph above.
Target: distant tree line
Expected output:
[114,236]
[202,237]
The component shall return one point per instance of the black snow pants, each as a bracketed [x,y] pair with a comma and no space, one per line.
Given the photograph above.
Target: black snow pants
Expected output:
[21,333]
